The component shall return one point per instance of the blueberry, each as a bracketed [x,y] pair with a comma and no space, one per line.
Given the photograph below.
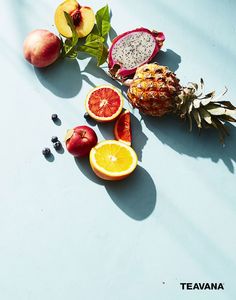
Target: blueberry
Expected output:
[46,151]
[54,117]
[54,139]
[57,145]
[87,116]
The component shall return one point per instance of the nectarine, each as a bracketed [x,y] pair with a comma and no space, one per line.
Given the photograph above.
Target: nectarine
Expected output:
[80,140]
[83,18]
[41,48]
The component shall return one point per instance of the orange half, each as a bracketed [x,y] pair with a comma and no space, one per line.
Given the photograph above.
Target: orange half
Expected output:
[122,128]
[113,160]
[104,103]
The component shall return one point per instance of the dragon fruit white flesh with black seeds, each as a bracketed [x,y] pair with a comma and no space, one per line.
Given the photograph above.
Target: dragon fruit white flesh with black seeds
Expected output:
[133,49]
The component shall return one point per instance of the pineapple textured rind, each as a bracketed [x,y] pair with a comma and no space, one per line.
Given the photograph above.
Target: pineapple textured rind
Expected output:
[154,90]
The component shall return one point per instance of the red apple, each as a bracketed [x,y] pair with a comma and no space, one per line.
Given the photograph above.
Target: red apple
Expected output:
[80,140]
[41,48]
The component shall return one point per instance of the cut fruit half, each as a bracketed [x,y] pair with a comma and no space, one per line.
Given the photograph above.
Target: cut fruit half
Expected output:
[82,16]
[104,103]
[122,129]
[113,160]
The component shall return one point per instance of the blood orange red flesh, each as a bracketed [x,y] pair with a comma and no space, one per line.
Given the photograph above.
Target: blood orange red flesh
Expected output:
[122,129]
[104,103]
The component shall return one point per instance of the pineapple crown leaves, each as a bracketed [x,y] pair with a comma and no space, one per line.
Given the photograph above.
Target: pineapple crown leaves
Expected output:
[206,110]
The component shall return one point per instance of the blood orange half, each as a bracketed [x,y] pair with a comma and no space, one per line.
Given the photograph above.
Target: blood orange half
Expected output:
[104,103]
[122,129]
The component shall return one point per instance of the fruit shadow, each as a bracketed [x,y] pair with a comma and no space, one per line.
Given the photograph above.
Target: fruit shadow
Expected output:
[135,195]
[112,34]
[50,158]
[98,72]
[62,78]
[168,58]
[139,139]
[205,144]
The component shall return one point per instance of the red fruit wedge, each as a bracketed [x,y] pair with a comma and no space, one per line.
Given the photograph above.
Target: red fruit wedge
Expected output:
[104,103]
[122,129]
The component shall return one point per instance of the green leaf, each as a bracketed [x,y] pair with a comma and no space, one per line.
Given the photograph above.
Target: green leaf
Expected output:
[72,27]
[95,30]
[89,50]
[106,26]
[97,50]
[69,46]
[102,55]
[72,54]
[94,38]
[93,45]
[102,14]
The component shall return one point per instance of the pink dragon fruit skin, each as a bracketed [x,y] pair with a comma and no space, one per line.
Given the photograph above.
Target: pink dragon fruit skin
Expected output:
[133,49]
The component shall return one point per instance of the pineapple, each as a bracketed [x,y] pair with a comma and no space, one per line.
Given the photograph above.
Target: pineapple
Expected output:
[156,91]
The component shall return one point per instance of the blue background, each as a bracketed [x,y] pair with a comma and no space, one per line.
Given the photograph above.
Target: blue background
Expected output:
[64,233]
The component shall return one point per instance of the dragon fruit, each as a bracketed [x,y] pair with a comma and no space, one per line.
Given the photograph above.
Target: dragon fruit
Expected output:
[133,49]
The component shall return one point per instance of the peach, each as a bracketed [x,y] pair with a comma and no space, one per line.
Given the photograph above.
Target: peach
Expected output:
[41,48]
[83,18]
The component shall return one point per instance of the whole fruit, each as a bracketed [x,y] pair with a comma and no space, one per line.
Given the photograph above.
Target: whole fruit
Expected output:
[80,140]
[41,48]
[156,91]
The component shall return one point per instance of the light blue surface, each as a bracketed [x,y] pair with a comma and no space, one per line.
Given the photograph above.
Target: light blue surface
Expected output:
[64,234]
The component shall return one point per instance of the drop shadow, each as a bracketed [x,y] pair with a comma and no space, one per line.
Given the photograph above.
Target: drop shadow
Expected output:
[174,133]
[136,195]
[168,58]
[92,69]
[50,158]
[61,150]
[91,122]
[83,165]
[57,122]
[112,34]
[107,129]
[139,139]
[62,78]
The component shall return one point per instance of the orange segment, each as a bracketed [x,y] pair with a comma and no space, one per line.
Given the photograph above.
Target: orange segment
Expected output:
[104,103]
[122,129]
[113,160]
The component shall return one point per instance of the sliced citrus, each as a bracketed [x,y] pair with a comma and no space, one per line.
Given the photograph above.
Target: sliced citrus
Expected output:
[113,160]
[104,103]
[122,129]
